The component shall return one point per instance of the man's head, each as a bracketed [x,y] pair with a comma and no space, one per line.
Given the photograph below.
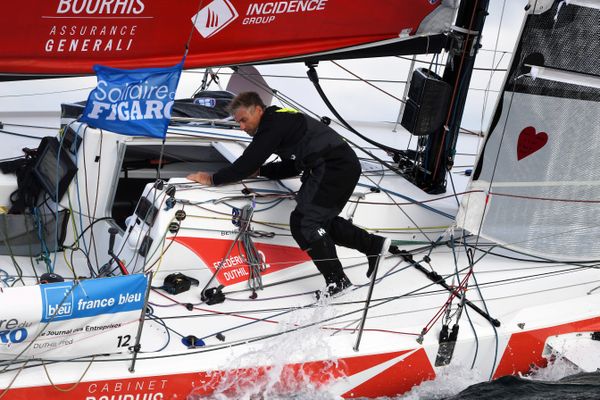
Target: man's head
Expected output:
[247,109]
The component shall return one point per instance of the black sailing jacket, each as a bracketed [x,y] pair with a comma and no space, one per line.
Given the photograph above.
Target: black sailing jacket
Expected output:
[300,141]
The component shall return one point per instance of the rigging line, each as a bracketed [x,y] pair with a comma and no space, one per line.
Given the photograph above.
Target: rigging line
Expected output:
[535,258]
[485,101]
[87,195]
[86,228]
[475,68]
[6,241]
[78,190]
[293,103]
[12,381]
[288,310]
[43,94]
[278,95]
[411,200]
[264,337]
[485,307]
[543,198]
[497,158]
[457,274]
[19,134]
[70,388]
[534,277]
[368,83]
[238,343]
[53,128]
[160,243]
[401,209]
[168,330]
[314,77]
[454,194]
[304,77]
[486,96]
[187,44]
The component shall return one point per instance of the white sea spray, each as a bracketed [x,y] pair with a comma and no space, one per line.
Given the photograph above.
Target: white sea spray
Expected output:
[300,340]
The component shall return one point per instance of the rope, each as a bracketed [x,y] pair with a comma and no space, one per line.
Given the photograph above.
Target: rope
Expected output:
[70,388]
[368,83]
[252,258]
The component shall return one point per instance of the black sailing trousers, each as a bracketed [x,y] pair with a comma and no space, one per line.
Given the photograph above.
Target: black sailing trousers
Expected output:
[315,224]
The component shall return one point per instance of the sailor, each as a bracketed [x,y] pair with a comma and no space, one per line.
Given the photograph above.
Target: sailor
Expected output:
[330,170]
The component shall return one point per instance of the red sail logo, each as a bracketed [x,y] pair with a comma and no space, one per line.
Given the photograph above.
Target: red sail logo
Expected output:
[214,17]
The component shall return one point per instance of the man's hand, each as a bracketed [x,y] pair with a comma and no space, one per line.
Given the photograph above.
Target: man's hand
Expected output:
[201,177]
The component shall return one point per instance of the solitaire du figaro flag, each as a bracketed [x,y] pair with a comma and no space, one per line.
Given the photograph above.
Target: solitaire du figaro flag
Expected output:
[134,102]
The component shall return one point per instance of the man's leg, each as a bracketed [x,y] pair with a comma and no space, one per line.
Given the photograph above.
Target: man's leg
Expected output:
[311,235]
[345,233]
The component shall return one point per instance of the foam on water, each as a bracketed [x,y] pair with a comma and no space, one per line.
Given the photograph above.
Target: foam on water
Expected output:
[277,381]
[557,369]
[454,379]
[448,381]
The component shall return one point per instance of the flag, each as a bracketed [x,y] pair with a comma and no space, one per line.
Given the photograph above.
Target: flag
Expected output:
[133,102]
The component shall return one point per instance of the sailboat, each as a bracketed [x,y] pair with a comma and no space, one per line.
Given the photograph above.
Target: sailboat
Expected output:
[119,285]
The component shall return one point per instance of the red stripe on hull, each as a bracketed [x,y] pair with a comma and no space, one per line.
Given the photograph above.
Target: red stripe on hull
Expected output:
[524,349]
[293,378]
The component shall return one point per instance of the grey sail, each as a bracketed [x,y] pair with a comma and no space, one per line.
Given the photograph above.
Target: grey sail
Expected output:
[536,185]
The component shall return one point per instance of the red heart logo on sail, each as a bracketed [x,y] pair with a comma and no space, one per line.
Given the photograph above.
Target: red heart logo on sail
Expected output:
[530,141]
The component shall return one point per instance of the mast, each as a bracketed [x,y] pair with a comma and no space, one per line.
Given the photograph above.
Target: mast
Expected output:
[464,42]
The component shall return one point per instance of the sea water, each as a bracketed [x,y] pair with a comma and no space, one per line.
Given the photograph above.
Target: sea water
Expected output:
[560,379]
[459,384]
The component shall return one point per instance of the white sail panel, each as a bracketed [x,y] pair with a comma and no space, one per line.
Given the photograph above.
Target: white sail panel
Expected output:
[536,186]
[540,178]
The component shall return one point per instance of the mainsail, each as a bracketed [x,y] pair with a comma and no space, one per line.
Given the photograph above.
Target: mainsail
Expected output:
[536,185]
[70,36]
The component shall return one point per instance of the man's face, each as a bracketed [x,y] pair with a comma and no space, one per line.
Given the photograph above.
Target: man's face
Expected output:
[248,118]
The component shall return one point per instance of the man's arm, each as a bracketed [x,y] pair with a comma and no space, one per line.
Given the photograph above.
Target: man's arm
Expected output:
[279,170]
[257,152]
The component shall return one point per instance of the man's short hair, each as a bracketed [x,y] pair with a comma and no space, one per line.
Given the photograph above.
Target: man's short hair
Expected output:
[245,99]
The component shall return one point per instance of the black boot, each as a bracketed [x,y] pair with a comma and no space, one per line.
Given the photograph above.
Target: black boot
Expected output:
[379,246]
[325,258]
[346,234]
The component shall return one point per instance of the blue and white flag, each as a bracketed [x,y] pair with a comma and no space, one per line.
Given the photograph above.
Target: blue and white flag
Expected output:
[133,102]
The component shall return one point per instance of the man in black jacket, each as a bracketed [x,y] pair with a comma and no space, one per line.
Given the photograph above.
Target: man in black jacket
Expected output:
[330,171]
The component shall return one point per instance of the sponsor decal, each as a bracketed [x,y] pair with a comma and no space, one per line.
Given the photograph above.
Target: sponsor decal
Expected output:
[138,389]
[66,320]
[265,13]
[57,300]
[234,268]
[64,301]
[214,17]
[77,26]
[14,336]
[218,14]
